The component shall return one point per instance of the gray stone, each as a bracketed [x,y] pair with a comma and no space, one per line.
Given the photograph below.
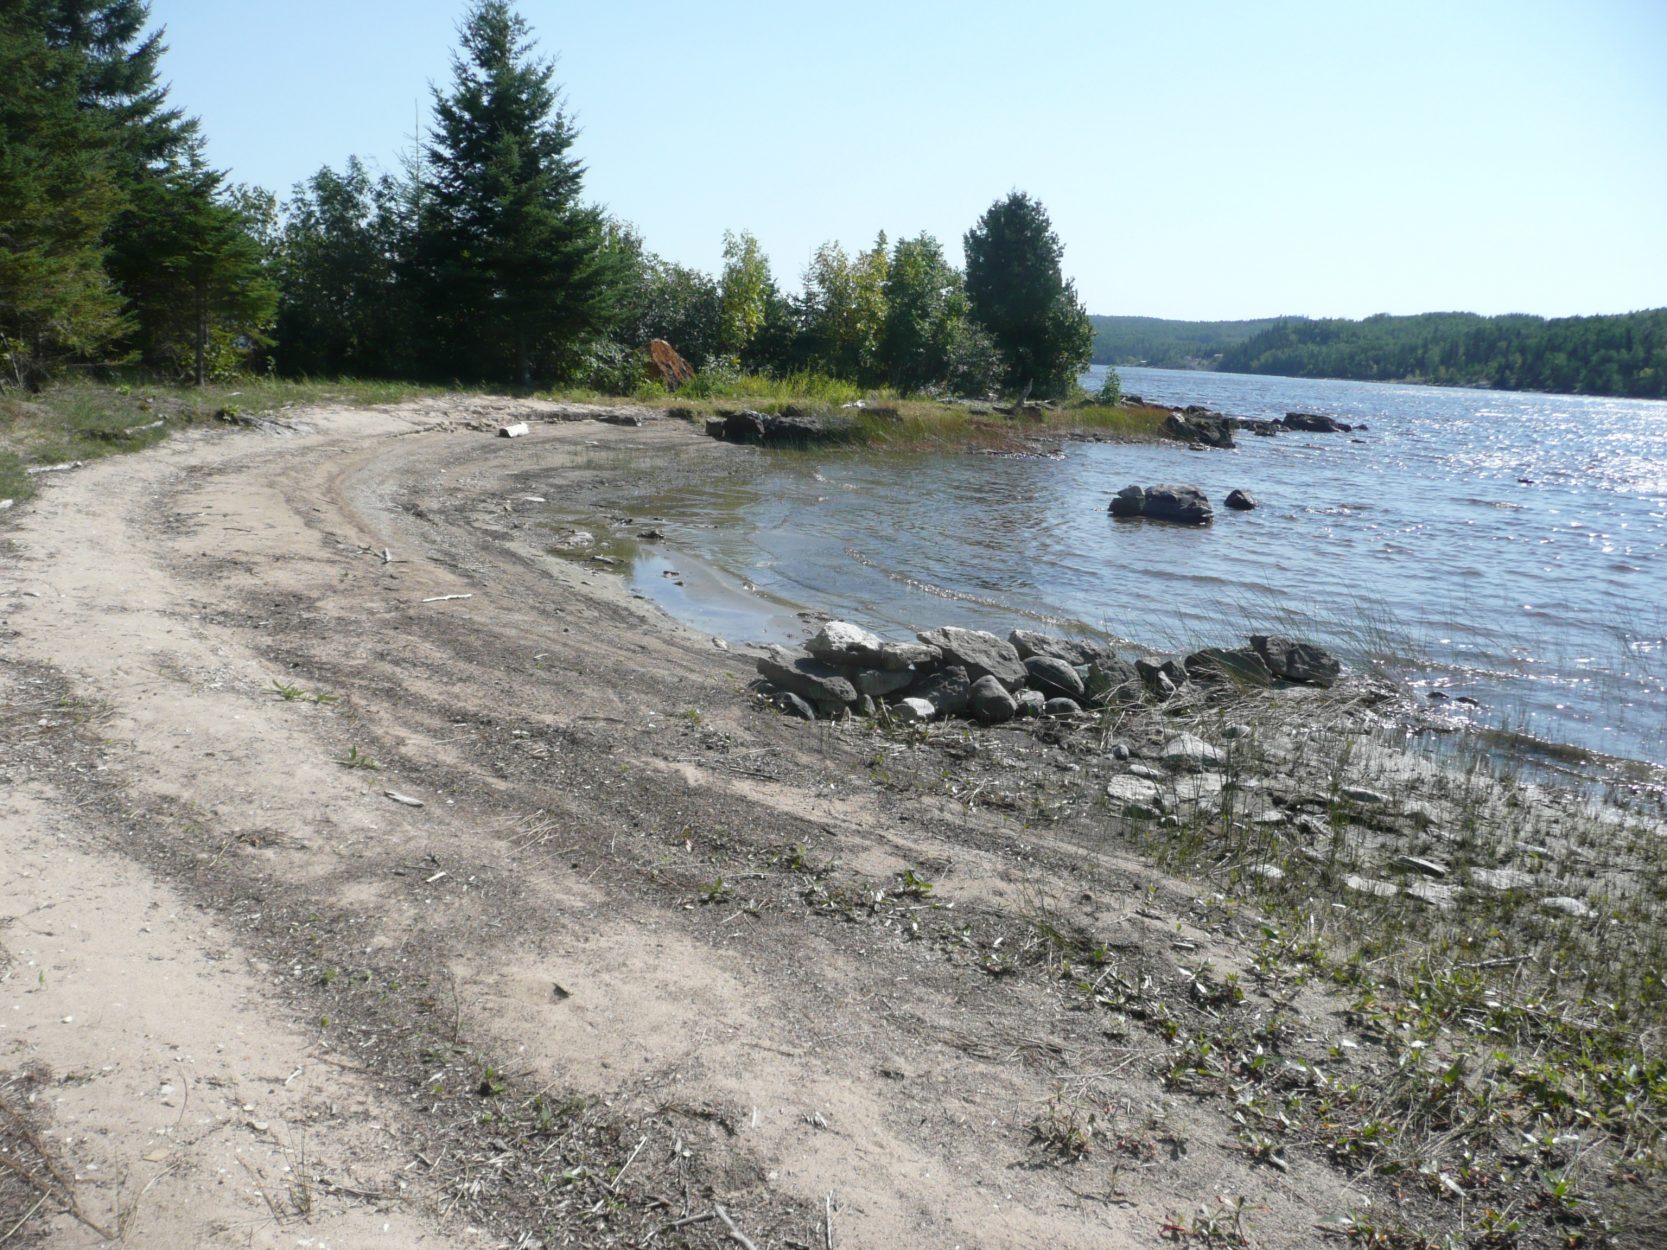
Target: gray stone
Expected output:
[1191,753]
[910,710]
[1111,678]
[982,654]
[1413,863]
[1148,772]
[1061,707]
[1156,672]
[901,655]
[1054,677]
[1200,427]
[1240,500]
[1134,790]
[946,690]
[879,682]
[842,643]
[1235,731]
[1360,794]
[1268,872]
[1120,750]
[1130,501]
[1500,880]
[1032,703]
[1440,897]
[990,702]
[1365,885]
[1296,661]
[809,679]
[1314,423]
[1567,906]
[1180,504]
[787,702]
[1029,644]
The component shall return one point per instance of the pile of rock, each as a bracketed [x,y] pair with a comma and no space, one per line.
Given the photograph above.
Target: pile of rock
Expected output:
[1183,505]
[846,670]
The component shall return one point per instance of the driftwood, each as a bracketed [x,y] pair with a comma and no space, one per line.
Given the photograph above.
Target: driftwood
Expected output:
[53,468]
[444,598]
[735,1234]
[406,799]
[514,431]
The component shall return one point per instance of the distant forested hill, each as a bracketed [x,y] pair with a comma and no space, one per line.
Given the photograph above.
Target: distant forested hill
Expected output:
[1169,344]
[1624,354]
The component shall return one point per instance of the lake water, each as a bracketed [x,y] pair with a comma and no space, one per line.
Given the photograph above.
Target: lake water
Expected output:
[1507,547]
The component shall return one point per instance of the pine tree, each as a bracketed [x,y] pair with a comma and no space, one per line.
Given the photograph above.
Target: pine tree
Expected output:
[514,274]
[1017,292]
[57,197]
[203,298]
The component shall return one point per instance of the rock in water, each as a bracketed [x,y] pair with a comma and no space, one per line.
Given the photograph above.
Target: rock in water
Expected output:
[1130,501]
[1240,500]
[980,653]
[1054,678]
[990,702]
[1296,661]
[1184,505]
[1315,423]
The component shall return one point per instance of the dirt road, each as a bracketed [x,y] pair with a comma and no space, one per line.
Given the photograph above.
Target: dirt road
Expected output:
[643,950]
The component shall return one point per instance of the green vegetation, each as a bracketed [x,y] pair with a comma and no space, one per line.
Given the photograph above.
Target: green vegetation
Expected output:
[481,261]
[1016,291]
[1163,344]
[117,242]
[1616,355]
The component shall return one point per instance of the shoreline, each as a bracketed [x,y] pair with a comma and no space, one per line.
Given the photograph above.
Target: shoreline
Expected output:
[940,983]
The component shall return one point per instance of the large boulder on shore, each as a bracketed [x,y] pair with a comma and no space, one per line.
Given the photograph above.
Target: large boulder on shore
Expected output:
[980,653]
[1291,660]
[1054,677]
[791,427]
[810,679]
[842,643]
[850,646]
[990,702]
[1180,504]
[1112,678]
[1028,643]
[946,690]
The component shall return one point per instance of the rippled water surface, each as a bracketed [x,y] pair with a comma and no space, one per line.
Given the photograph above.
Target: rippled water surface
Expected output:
[1508,547]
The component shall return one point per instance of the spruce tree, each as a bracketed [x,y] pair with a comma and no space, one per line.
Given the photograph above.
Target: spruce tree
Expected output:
[57,198]
[1017,292]
[515,277]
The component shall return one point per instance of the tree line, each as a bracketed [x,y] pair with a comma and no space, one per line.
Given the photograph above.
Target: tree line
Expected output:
[1161,343]
[480,261]
[1624,354]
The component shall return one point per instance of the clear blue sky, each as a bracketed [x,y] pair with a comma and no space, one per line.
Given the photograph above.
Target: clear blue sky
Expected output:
[1199,160]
